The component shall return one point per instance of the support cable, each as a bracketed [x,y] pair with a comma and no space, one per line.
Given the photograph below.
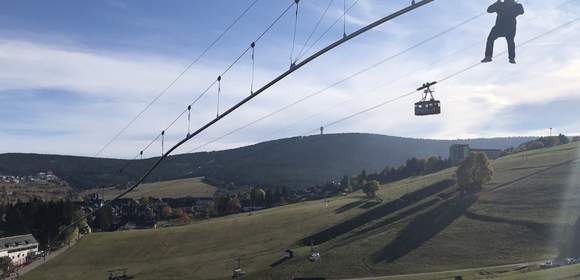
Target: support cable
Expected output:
[219,90]
[253,45]
[344,19]
[294,35]
[162,142]
[188,120]
[327,30]
[316,26]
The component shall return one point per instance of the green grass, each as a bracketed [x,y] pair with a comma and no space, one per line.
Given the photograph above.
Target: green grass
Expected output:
[193,187]
[513,221]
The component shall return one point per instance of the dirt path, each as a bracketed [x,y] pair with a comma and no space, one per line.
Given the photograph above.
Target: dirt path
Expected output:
[446,272]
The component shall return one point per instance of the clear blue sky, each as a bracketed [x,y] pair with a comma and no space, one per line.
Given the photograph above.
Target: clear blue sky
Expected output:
[72,73]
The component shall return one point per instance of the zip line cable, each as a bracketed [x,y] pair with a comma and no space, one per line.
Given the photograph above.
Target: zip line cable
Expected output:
[219,89]
[247,99]
[358,73]
[253,46]
[179,76]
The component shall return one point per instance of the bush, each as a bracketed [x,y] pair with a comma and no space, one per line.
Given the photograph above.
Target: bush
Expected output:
[371,188]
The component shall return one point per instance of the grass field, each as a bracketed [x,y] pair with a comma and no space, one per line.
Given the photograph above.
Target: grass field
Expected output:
[532,199]
[193,187]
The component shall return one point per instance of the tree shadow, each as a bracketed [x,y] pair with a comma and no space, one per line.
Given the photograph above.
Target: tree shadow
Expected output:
[349,206]
[540,228]
[424,227]
[376,213]
[361,234]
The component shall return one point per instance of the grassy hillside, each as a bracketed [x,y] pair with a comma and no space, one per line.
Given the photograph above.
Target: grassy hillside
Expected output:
[194,187]
[292,161]
[422,225]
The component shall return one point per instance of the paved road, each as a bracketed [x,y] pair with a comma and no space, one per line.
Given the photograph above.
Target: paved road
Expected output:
[447,272]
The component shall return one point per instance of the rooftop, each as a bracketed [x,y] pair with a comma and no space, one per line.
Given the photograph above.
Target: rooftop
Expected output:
[17,241]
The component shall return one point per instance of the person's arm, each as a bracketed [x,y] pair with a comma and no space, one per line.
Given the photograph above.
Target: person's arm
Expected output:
[520,10]
[494,7]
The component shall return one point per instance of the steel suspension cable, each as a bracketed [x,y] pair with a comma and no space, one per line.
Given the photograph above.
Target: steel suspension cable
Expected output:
[344,19]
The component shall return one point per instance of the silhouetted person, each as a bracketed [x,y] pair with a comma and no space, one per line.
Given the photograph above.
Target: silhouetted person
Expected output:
[505,26]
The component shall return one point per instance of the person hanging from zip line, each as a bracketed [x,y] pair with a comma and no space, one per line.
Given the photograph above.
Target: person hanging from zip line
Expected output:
[505,26]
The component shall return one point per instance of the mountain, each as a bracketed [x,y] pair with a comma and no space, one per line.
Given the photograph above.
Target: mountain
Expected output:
[294,162]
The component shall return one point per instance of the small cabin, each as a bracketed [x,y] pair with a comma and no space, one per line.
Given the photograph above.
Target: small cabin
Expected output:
[428,107]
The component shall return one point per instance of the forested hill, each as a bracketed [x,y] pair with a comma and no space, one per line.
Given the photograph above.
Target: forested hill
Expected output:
[294,161]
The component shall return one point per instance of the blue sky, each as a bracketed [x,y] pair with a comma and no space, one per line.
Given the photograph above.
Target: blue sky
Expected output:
[72,73]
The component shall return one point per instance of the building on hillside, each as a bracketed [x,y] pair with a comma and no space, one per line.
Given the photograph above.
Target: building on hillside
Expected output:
[458,152]
[18,248]
[490,153]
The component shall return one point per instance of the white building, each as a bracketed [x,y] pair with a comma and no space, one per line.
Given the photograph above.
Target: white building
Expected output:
[17,248]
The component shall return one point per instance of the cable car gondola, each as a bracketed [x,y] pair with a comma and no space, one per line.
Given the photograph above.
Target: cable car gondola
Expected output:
[427,107]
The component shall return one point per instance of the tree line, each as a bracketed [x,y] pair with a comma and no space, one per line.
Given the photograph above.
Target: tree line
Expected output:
[43,219]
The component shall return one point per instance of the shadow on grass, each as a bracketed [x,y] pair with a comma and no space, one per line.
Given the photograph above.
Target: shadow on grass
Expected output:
[549,167]
[538,227]
[376,213]
[370,204]
[389,221]
[279,262]
[424,227]
[349,206]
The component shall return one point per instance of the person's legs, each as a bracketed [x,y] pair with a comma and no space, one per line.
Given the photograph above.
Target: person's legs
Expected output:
[490,44]
[510,38]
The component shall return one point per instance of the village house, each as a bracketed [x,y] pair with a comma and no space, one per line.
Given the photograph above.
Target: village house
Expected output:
[18,248]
